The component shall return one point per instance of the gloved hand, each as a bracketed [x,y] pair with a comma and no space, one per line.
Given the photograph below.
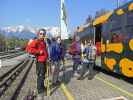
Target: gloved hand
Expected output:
[41,52]
[38,52]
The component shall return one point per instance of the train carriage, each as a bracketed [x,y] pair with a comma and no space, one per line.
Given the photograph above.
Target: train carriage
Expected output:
[114,31]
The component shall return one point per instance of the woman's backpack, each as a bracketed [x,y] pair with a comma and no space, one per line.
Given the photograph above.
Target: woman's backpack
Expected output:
[74,48]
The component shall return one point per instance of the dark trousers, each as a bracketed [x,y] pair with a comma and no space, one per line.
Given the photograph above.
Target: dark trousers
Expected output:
[75,66]
[56,70]
[40,70]
[86,67]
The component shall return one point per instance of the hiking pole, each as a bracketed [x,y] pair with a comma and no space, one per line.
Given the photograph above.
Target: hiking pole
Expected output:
[47,71]
[82,55]
[47,80]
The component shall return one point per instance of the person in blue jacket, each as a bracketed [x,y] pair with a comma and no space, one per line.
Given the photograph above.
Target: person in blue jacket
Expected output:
[55,57]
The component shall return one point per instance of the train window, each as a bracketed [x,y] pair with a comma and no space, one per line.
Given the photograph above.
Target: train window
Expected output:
[129,29]
[130,18]
[116,22]
[113,23]
[98,33]
[105,27]
[117,38]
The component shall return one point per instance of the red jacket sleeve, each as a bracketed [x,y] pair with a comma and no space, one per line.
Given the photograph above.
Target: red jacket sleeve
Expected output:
[33,47]
[45,53]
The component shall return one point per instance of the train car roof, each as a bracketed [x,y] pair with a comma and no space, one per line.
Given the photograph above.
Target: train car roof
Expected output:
[119,11]
[124,8]
[102,19]
[97,21]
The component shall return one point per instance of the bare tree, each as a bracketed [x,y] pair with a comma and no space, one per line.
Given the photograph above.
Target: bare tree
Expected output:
[89,19]
[2,42]
[101,12]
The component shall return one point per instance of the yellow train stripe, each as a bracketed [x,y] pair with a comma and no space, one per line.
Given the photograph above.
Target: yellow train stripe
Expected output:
[66,92]
[115,47]
[110,63]
[126,66]
[115,87]
[131,44]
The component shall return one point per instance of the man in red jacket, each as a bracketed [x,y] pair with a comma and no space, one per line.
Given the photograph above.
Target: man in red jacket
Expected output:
[39,49]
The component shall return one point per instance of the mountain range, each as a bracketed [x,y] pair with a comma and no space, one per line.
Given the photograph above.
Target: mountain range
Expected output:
[23,32]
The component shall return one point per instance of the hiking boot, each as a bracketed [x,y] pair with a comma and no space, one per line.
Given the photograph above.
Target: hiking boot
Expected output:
[57,83]
[80,78]
[76,74]
[40,96]
[90,77]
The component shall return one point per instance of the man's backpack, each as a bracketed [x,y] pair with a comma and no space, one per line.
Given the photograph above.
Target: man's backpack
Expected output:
[30,44]
[55,51]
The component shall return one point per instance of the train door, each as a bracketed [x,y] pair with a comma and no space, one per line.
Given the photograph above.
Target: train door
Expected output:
[98,31]
[97,37]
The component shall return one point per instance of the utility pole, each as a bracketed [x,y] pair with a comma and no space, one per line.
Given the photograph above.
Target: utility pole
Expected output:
[118,3]
[121,2]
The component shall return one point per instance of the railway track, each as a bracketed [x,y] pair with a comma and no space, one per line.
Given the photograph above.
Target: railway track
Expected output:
[7,53]
[4,53]
[12,81]
[5,74]
[11,55]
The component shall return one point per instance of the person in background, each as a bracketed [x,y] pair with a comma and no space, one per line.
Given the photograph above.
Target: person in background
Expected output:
[56,60]
[63,51]
[75,51]
[88,60]
[49,48]
[92,59]
[39,49]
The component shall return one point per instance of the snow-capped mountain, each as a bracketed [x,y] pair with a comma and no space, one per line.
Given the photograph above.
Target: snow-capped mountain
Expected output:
[18,31]
[27,32]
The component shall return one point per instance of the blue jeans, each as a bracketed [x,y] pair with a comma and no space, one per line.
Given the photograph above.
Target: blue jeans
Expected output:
[41,70]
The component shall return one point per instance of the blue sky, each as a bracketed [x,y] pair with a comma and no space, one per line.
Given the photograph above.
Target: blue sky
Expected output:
[47,12]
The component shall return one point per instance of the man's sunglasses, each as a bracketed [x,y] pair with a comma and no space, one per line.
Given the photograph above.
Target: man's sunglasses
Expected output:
[42,33]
